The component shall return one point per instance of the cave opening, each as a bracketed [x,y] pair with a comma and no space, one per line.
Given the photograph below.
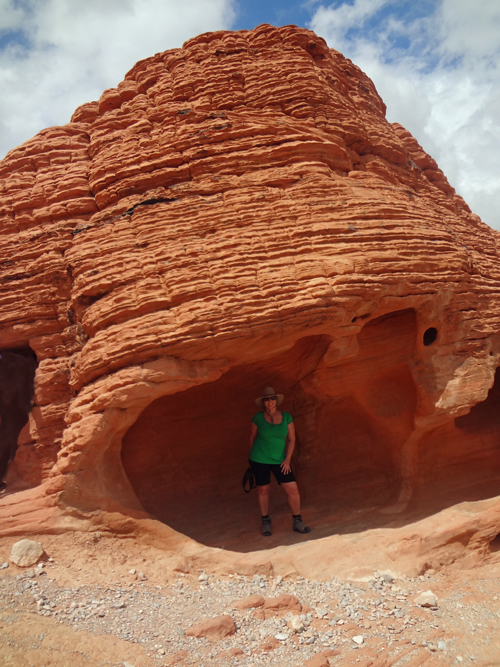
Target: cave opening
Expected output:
[495,545]
[17,376]
[186,454]
[461,459]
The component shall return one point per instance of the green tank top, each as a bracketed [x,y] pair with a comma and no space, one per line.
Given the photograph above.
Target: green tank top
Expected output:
[269,445]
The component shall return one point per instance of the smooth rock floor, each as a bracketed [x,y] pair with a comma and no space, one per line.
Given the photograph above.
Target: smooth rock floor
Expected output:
[238,523]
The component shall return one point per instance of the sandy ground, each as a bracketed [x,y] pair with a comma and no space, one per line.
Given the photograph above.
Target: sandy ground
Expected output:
[109,601]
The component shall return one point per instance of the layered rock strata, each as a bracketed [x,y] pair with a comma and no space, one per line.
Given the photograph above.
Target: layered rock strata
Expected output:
[239,213]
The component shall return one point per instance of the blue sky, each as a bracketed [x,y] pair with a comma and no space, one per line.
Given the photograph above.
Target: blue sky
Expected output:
[251,14]
[436,64]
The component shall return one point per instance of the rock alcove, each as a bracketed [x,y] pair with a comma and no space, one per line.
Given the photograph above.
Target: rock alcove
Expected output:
[185,454]
[17,375]
[238,213]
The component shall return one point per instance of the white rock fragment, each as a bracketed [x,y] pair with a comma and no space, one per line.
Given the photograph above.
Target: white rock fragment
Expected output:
[426,599]
[358,639]
[296,624]
[3,566]
[26,553]
[132,571]
[203,577]
[281,636]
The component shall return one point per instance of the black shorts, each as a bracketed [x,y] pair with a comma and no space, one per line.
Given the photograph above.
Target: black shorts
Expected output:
[262,473]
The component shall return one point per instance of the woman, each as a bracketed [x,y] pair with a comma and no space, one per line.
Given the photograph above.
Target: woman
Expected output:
[272,441]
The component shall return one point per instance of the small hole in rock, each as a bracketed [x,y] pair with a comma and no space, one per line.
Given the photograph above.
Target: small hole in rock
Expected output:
[430,336]
[495,544]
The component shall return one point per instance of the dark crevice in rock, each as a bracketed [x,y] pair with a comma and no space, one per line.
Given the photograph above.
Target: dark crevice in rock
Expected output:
[87,300]
[149,202]
[495,544]
[484,416]
[16,276]
[17,376]
[152,201]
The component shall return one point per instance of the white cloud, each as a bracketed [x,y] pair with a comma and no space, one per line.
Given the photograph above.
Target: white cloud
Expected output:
[336,21]
[444,86]
[72,50]
[470,28]
[10,15]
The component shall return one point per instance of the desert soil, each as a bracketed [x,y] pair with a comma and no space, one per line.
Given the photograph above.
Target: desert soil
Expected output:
[106,601]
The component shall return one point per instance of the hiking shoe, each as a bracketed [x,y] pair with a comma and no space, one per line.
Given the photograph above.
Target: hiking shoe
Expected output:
[299,526]
[266,527]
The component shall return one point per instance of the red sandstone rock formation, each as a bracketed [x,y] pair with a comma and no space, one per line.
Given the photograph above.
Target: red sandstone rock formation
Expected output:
[213,628]
[239,213]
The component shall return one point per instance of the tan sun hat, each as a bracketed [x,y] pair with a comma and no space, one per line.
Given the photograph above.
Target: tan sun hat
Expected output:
[269,391]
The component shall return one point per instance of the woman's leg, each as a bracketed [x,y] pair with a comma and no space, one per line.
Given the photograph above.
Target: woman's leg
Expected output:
[263,493]
[292,491]
[262,472]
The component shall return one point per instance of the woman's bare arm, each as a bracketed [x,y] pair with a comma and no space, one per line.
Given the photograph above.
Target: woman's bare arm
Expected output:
[253,434]
[290,446]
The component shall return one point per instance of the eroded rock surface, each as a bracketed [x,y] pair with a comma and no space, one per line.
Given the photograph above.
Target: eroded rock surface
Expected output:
[213,628]
[239,213]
